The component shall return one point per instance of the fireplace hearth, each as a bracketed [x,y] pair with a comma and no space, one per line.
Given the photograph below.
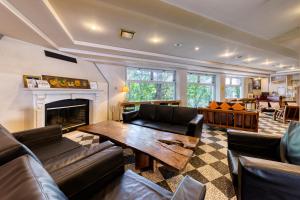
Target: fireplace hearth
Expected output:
[70,113]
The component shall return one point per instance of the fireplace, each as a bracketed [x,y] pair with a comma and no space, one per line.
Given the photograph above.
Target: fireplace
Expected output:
[70,113]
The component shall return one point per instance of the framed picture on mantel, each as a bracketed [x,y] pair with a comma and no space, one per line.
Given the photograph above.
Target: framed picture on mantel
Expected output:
[64,82]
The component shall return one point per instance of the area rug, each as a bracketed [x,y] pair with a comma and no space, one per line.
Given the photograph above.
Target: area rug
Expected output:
[208,164]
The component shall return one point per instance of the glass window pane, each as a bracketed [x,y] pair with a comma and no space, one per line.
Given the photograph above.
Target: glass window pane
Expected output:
[192,78]
[199,95]
[233,92]
[164,76]
[149,84]
[138,74]
[227,81]
[236,81]
[206,79]
[141,91]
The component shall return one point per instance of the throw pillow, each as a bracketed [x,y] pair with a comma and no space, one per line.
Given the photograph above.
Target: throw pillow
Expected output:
[290,144]
[225,106]
[238,106]
[213,105]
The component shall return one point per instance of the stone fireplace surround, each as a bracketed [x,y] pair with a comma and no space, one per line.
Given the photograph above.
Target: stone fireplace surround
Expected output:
[40,97]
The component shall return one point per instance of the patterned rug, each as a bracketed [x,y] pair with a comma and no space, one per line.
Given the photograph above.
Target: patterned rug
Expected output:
[208,164]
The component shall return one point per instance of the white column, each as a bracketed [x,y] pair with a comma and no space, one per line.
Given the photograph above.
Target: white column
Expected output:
[181,86]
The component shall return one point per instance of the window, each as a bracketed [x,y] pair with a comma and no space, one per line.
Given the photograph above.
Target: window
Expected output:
[150,84]
[200,89]
[233,87]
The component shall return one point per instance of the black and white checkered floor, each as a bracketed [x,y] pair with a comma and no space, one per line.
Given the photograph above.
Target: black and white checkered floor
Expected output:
[208,164]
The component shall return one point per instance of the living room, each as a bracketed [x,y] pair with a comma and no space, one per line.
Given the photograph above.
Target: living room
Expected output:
[176,99]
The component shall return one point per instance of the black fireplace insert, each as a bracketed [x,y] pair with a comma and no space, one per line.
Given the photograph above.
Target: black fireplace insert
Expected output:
[70,113]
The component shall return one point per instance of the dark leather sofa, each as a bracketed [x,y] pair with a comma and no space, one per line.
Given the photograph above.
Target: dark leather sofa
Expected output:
[265,166]
[72,166]
[180,120]
[24,176]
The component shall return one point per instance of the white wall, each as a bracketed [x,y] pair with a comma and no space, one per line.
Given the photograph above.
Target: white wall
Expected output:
[116,77]
[18,58]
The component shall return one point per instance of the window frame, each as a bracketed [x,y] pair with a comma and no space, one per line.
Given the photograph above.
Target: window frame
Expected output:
[152,79]
[213,84]
[240,86]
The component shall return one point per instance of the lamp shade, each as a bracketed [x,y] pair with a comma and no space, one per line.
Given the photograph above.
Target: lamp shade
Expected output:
[125,89]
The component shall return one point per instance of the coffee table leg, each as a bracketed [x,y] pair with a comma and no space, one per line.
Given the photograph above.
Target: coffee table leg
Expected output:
[142,161]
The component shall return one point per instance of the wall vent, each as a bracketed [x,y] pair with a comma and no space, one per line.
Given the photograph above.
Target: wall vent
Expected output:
[60,56]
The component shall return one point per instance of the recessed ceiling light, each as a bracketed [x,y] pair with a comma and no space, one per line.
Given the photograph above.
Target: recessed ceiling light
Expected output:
[177,45]
[127,34]
[156,40]
[227,54]
[267,62]
[197,48]
[93,26]
[249,59]
[292,68]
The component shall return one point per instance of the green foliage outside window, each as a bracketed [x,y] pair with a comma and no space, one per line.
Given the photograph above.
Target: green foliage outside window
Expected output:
[200,89]
[147,84]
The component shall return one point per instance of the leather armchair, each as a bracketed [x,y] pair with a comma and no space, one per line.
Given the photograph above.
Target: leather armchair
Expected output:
[265,166]
[121,188]
[264,179]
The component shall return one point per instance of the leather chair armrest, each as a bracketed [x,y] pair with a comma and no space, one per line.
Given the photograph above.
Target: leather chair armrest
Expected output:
[190,189]
[129,116]
[195,126]
[263,179]
[258,145]
[39,135]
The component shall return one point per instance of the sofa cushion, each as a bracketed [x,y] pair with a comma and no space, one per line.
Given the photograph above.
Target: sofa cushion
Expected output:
[183,115]
[55,148]
[10,148]
[147,111]
[139,122]
[173,128]
[74,155]
[164,113]
[290,144]
[25,178]
[83,174]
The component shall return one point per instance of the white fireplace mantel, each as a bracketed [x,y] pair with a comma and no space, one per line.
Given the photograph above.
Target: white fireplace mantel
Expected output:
[43,96]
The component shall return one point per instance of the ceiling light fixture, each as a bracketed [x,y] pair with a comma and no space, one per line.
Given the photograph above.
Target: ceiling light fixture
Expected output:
[267,62]
[156,40]
[127,34]
[249,59]
[292,68]
[227,54]
[197,48]
[177,45]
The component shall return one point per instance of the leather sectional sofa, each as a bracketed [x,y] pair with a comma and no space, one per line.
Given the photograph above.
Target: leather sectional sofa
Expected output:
[264,166]
[62,169]
[180,120]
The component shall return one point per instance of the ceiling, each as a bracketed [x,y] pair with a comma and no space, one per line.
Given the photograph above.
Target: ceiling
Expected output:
[91,29]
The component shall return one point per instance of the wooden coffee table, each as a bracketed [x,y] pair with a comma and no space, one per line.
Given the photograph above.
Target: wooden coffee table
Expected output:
[149,145]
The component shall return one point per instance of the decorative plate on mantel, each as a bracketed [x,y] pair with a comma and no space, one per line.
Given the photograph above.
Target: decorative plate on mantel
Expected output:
[64,82]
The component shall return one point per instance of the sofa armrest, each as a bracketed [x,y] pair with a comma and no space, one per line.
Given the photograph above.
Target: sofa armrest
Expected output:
[189,189]
[195,126]
[263,179]
[129,116]
[258,145]
[39,135]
